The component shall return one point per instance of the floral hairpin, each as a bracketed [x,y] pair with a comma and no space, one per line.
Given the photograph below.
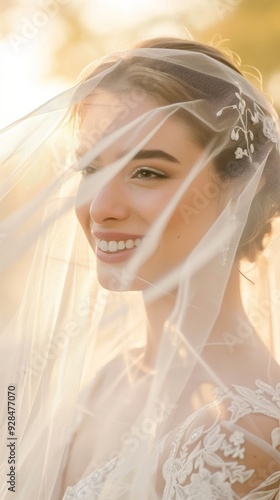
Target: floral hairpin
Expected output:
[243,125]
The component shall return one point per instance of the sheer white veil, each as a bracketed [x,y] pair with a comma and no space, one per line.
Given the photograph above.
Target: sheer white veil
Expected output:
[83,343]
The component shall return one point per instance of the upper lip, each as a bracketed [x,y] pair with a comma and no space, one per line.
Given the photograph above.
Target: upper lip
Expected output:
[113,236]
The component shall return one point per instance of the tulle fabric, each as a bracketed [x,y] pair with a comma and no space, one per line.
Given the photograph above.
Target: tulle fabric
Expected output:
[73,349]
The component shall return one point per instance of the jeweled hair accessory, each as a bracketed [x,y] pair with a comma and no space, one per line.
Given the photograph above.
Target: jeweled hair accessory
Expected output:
[245,123]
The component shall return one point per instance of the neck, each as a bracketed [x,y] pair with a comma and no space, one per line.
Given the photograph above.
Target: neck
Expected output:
[159,310]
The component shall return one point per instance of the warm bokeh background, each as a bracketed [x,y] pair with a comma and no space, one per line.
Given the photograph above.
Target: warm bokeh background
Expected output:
[45,43]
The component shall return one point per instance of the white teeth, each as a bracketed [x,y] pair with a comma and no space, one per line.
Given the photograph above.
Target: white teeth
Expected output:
[115,246]
[103,246]
[129,244]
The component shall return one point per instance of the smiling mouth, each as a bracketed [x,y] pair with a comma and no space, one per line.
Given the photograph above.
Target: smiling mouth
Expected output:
[114,246]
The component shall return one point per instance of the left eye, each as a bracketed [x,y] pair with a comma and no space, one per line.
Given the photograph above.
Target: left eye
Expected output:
[148,173]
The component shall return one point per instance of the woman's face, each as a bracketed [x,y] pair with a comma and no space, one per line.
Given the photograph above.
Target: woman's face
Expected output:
[116,219]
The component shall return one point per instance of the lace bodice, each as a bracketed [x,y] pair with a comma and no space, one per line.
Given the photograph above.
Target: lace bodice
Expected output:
[209,461]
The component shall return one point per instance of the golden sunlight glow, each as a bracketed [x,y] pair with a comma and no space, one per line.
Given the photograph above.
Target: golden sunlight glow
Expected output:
[124,13]
[21,89]
[124,7]
[17,88]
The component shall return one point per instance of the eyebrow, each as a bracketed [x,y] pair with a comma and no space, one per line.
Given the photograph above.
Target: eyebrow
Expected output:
[144,154]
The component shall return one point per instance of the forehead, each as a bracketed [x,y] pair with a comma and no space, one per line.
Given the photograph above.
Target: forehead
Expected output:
[105,113]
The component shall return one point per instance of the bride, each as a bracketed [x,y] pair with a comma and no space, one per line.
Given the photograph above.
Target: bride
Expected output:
[148,365]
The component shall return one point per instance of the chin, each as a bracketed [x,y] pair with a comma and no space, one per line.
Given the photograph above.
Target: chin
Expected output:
[116,280]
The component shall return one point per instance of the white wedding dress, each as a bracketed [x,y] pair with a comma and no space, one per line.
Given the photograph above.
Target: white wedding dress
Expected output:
[208,455]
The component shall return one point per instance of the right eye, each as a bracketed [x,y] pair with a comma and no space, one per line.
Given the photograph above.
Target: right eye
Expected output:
[89,170]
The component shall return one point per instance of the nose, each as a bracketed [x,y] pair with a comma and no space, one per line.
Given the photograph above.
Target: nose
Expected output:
[110,203]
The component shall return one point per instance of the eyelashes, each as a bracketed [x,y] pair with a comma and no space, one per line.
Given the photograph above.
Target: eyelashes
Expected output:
[143,173]
[89,170]
[147,173]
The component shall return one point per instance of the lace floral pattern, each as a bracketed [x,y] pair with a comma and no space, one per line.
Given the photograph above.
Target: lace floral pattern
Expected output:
[247,118]
[89,488]
[204,462]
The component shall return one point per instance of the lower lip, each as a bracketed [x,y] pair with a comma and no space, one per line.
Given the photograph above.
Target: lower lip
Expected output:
[115,257]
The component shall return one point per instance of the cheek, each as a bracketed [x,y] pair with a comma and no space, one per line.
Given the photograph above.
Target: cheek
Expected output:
[81,214]
[190,221]
[82,211]
[148,204]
